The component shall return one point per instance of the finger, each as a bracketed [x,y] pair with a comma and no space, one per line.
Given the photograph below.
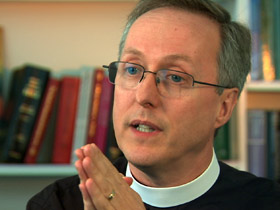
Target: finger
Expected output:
[82,174]
[95,174]
[100,201]
[80,153]
[88,205]
[99,160]
[128,180]
[101,170]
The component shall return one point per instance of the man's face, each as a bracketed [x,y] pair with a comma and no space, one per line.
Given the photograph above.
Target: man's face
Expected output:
[172,130]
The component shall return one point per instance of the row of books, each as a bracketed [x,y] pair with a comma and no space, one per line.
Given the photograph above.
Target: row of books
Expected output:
[264,143]
[265,29]
[47,117]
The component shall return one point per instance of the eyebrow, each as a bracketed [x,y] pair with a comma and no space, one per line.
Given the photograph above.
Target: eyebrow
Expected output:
[132,51]
[168,58]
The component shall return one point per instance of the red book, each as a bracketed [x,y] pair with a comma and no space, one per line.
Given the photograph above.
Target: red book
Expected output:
[66,116]
[96,95]
[104,114]
[41,123]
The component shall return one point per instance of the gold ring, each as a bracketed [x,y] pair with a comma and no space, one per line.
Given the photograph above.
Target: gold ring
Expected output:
[112,195]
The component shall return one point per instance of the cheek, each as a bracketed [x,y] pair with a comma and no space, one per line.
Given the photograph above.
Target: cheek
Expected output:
[122,102]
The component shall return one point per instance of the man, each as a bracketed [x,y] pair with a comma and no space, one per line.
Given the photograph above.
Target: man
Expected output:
[181,68]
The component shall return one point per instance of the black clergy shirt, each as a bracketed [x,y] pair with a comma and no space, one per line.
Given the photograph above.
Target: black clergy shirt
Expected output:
[233,190]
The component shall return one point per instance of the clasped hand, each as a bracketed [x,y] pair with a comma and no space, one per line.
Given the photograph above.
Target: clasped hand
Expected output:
[101,185]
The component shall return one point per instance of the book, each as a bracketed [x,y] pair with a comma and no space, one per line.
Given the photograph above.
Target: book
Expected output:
[94,111]
[105,107]
[267,39]
[277,147]
[1,71]
[46,151]
[42,120]
[276,35]
[64,131]
[27,105]
[257,150]
[271,126]
[83,109]
[255,26]
[2,122]
[222,143]
[113,152]
[9,108]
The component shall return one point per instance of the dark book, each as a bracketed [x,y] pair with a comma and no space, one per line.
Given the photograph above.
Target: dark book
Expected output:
[27,103]
[222,143]
[113,152]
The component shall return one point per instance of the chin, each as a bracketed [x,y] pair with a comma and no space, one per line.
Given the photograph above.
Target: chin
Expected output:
[141,158]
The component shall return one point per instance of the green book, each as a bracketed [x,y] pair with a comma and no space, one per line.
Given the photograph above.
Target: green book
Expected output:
[222,143]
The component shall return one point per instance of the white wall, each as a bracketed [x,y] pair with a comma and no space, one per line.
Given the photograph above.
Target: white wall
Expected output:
[62,35]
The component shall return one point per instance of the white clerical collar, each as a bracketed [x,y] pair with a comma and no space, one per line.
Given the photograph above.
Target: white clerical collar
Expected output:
[174,196]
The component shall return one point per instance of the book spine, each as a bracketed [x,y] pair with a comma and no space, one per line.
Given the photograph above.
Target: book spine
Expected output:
[23,118]
[97,90]
[42,121]
[66,120]
[104,115]
[271,143]
[10,108]
[257,142]
[267,40]
[83,110]
[1,71]
[255,26]
[277,147]
[276,35]
[222,143]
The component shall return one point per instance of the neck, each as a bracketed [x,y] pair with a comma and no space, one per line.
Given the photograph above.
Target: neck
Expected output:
[175,173]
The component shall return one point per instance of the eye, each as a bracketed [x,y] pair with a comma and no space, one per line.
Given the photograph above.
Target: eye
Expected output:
[132,70]
[176,78]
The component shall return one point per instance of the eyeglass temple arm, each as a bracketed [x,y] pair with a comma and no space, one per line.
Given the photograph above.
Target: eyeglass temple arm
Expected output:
[205,83]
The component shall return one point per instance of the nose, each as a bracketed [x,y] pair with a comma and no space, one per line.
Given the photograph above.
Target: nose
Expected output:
[147,94]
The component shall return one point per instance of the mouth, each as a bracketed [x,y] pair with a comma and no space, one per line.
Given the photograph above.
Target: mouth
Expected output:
[144,127]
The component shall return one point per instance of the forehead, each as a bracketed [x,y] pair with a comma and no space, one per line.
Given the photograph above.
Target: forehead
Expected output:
[168,31]
[167,22]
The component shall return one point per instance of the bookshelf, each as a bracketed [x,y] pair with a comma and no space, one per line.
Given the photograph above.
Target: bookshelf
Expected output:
[58,26]
[38,170]
[263,95]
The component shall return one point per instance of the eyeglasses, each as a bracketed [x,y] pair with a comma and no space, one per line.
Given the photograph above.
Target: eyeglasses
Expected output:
[170,83]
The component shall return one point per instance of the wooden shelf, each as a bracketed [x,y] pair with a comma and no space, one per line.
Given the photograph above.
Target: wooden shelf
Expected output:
[36,170]
[263,95]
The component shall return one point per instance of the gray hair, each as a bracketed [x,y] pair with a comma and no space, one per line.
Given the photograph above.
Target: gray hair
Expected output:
[234,59]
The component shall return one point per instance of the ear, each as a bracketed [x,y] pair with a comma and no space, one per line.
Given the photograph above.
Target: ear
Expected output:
[228,100]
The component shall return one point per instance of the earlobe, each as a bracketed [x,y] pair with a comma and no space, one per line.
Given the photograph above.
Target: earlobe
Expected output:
[228,100]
